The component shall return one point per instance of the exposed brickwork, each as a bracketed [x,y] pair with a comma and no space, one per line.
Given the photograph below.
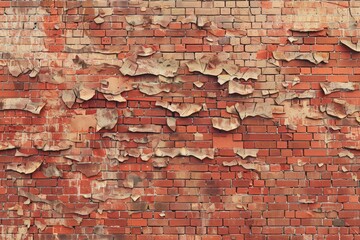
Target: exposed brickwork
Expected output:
[179,119]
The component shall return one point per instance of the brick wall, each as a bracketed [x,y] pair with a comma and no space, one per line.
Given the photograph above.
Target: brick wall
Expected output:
[179,119]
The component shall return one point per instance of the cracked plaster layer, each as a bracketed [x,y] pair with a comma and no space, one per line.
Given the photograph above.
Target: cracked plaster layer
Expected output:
[134,113]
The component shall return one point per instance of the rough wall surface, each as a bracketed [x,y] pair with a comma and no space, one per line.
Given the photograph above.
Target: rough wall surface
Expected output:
[179,119]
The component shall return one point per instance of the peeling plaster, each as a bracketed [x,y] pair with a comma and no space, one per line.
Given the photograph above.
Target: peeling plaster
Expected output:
[254,109]
[225,124]
[352,46]
[330,87]
[198,153]
[153,66]
[316,57]
[183,109]
[292,95]
[21,104]
[25,168]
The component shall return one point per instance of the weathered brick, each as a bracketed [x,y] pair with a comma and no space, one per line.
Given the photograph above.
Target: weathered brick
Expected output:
[176,176]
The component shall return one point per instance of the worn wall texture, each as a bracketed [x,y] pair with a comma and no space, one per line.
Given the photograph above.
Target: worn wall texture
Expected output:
[179,119]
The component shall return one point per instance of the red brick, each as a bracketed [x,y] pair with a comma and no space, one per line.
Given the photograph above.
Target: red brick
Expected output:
[137,222]
[5,4]
[320,183]
[225,141]
[177,197]
[315,152]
